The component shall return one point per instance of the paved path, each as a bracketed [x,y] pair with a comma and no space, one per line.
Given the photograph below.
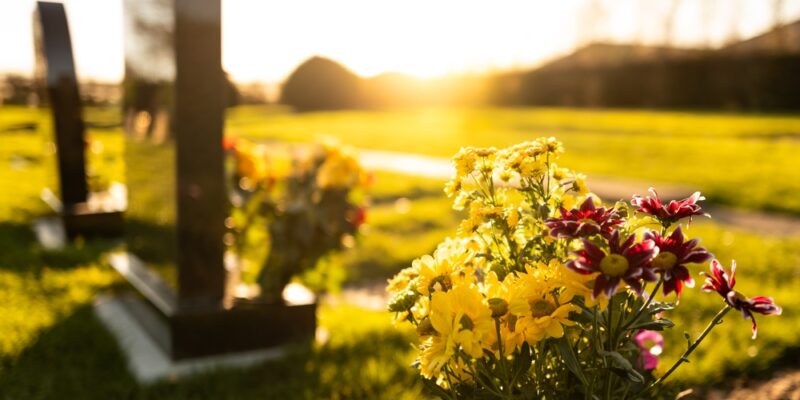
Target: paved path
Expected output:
[784,385]
[605,187]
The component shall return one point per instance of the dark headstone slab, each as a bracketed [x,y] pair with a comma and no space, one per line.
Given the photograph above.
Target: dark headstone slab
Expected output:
[56,71]
[173,110]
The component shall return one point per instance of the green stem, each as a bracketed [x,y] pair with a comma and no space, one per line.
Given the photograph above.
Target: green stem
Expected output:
[506,386]
[646,304]
[609,344]
[685,356]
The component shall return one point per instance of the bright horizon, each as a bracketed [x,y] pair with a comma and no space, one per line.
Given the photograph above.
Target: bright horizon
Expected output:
[265,41]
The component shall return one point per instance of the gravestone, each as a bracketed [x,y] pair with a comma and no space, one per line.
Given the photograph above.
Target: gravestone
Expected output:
[173,110]
[83,213]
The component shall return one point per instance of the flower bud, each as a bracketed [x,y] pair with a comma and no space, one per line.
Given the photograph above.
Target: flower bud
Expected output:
[403,301]
[622,208]
[498,306]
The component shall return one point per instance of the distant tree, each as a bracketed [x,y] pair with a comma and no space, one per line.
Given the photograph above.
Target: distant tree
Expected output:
[18,89]
[322,84]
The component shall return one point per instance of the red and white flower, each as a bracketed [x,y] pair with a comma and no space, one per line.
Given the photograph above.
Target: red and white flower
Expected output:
[672,212]
[720,282]
[585,221]
[674,252]
[626,261]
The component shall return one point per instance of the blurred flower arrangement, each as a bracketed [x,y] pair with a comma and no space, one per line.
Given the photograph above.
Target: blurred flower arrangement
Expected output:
[546,293]
[306,201]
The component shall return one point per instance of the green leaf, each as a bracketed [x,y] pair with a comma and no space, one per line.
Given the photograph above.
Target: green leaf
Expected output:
[657,307]
[571,360]
[522,363]
[655,325]
[622,367]
[433,388]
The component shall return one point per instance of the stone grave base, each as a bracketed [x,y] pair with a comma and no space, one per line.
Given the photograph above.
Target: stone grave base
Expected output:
[148,362]
[50,233]
[99,217]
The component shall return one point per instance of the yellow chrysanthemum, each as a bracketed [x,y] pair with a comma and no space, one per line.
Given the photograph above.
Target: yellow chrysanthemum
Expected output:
[451,263]
[497,294]
[579,185]
[576,284]
[436,353]
[339,170]
[464,162]
[251,161]
[453,187]
[512,217]
[402,280]
[532,169]
[538,314]
[462,314]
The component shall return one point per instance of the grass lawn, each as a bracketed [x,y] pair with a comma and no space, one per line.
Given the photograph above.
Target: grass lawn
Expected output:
[739,160]
[52,346]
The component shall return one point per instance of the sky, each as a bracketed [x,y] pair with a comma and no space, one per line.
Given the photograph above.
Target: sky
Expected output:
[264,40]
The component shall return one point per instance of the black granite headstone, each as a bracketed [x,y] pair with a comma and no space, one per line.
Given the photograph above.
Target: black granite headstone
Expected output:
[173,110]
[57,69]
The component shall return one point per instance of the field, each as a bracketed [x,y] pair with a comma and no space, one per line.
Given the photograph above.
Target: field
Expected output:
[51,345]
[757,153]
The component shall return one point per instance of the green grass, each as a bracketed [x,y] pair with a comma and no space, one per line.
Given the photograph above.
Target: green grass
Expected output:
[745,161]
[52,346]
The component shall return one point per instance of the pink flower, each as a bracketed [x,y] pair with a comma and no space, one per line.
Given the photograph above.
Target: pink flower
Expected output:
[651,345]
[672,212]
[584,221]
[625,261]
[673,255]
[720,282]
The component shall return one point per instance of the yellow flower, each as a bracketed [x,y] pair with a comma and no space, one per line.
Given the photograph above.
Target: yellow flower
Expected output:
[538,314]
[339,170]
[511,336]
[559,173]
[498,292]
[493,288]
[569,201]
[402,280]
[512,217]
[576,284]
[464,162]
[251,161]
[551,145]
[579,185]
[451,263]
[531,168]
[462,314]
[453,187]
[436,353]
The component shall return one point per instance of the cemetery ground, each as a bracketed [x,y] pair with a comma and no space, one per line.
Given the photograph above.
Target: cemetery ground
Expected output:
[52,346]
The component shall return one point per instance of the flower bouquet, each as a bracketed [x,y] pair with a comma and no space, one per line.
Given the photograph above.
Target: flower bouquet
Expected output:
[545,292]
[305,201]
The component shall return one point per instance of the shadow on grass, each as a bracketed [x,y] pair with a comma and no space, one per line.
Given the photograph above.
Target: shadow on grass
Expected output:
[366,368]
[20,252]
[78,359]
[74,359]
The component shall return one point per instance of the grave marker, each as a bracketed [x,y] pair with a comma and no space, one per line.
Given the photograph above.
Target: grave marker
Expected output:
[173,110]
[82,213]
